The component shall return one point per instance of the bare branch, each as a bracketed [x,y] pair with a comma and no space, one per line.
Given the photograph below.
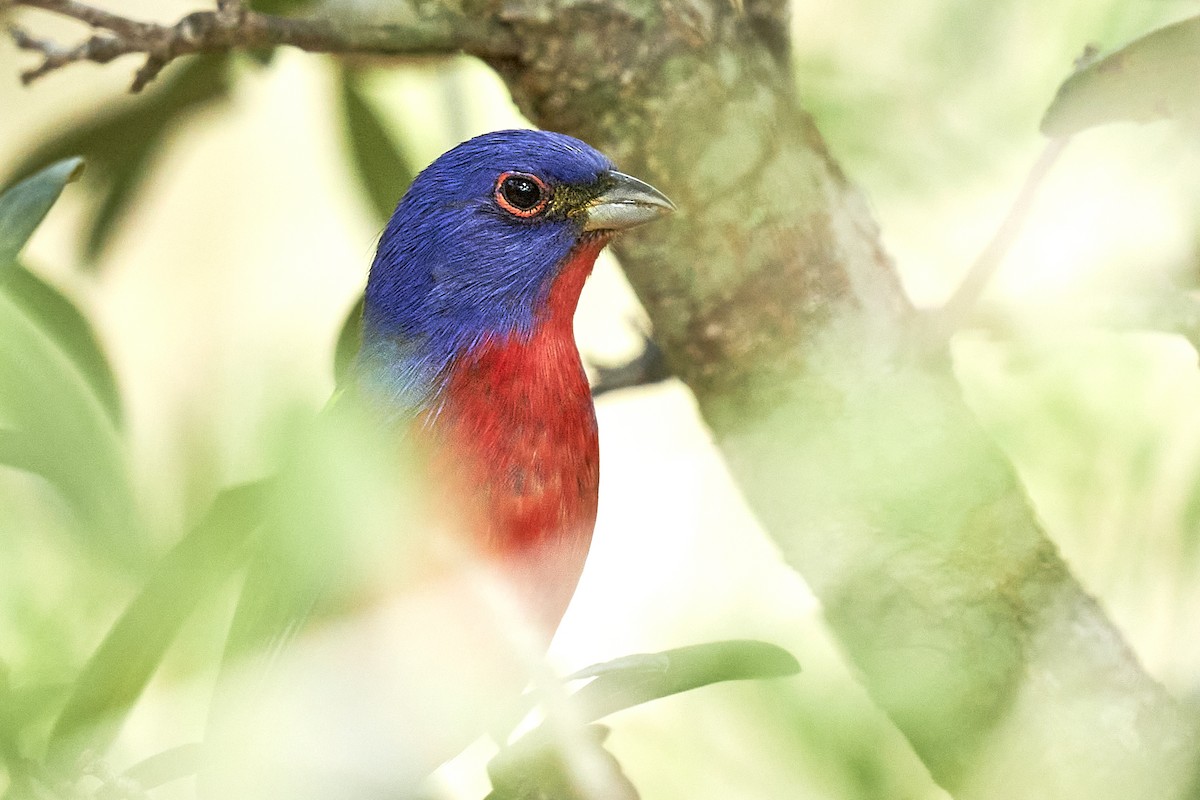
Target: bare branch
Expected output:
[234,27]
[958,308]
[647,367]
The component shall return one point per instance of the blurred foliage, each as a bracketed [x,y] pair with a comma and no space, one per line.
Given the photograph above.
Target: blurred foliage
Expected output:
[120,144]
[1151,78]
[311,536]
[382,168]
[1084,421]
[279,6]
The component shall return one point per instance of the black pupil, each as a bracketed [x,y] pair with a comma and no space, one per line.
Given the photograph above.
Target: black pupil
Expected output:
[523,193]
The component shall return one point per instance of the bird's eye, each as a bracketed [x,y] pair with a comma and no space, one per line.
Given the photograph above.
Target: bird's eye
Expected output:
[522,194]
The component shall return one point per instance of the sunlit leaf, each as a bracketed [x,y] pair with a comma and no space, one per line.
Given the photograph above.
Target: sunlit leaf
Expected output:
[123,664]
[120,142]
[632,681]
[170,765]
[23,207]
[62,320]
[537,769]
[1154,77]
[383,169]
[635,679]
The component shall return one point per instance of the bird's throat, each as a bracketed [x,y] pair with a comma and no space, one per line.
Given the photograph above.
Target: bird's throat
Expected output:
[562,297]
[517,441]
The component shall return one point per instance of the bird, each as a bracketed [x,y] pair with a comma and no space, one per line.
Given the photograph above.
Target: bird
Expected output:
[467,335]
[468,358]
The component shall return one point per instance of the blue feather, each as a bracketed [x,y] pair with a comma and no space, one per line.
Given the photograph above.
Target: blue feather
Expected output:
[453,269]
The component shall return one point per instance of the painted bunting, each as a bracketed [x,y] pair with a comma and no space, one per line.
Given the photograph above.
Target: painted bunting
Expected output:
[467,330]
[468,351]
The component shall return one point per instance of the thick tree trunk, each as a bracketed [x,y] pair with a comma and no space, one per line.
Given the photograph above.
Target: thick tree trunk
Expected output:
[773,300]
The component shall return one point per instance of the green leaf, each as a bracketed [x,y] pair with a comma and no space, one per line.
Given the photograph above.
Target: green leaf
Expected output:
[27,706]
[23,207]
[383,169]
[170,765]
[348,341]
[120,142]
[634,680]
[55,314]
[121,667]
[1154,77]
[535,770]
[537,764]
[62,432]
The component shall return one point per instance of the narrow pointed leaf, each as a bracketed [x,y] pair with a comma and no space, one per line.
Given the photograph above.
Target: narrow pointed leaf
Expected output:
[384,171]
[120,142]
[55,314]
[1154,77]
[23,206]
[68,438]
[121,667]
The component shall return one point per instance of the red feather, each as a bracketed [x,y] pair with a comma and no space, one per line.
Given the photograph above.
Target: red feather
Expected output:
[515,440]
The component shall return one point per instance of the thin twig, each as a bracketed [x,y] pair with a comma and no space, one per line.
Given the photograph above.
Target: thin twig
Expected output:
[960,305]
[232,26]
[647,367]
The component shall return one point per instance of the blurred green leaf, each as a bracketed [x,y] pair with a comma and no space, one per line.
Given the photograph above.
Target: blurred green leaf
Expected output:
[69,328]
[383,168]
[21,209]
[119,142]
[26,706]
[123,664]
[170,765]
[541,765]
[278,6]
[348,341]
[1154,77]
[23,206]
[536,770]
[634,680]
[60,430]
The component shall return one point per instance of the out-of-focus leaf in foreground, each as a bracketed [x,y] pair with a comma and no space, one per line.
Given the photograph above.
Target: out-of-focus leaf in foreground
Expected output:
[634,680]
[542,764]
[54,423]
[119,144]
[1154,77]
[123,664]
[24,206]
[527,772]
[57,316]
[382,168]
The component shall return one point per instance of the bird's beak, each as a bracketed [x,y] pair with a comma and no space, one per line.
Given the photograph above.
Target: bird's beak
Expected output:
[625,203]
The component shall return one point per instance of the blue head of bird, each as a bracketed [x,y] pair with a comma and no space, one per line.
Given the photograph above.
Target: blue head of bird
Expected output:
[476,243]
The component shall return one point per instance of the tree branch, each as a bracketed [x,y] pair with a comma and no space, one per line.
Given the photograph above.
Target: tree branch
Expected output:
[234,27]
[645,368]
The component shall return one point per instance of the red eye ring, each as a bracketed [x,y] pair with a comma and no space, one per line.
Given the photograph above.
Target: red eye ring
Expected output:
[521,194]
